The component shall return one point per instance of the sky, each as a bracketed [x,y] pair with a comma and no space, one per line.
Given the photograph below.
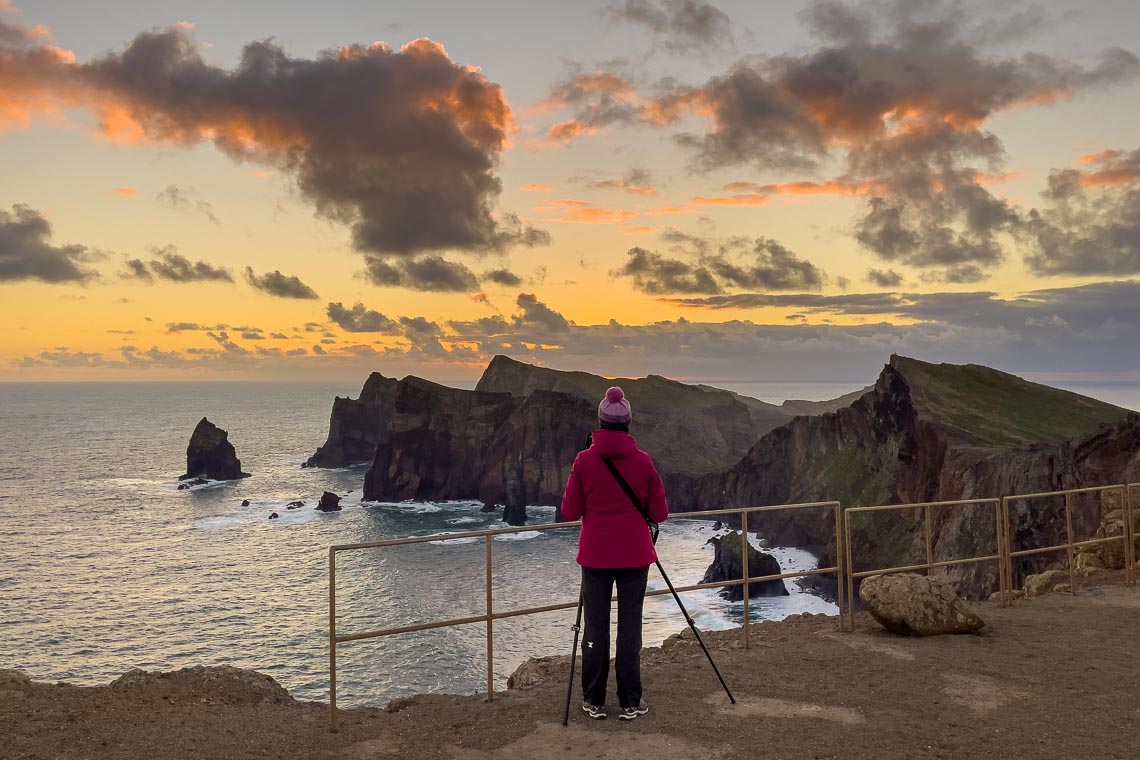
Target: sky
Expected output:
[711,191]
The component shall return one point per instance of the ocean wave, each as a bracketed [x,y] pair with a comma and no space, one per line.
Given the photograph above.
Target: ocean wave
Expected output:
[464,520]
[525,536]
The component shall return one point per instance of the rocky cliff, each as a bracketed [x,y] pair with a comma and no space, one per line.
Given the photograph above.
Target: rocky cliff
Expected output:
[928,432]
[358,425]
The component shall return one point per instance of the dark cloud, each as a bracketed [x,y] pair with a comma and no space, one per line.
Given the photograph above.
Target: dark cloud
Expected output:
[679,25]
[536,314]
[27,253]
[222,338]
[900,92]
[1091,225]
[770,266]
[174,267]
[401,145]
[598,98]
[276,284]
[252,336]
[740,263]
[428,273]
[187,199]
[503,277]
[173,327]
[634,182]
[360,319]
[319,350]
[14,35]
[887,278]
[655,274]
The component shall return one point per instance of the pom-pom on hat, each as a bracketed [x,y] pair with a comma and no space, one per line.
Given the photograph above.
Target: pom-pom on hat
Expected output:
[615,407]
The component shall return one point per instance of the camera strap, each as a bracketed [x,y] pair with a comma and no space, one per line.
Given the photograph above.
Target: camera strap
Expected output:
[653,529]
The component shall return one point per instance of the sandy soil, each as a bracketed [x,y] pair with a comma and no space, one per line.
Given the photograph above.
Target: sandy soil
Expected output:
[1052,677]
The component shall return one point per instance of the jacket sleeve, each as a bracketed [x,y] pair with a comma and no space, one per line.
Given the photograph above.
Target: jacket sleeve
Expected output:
[657,507]
[573,501]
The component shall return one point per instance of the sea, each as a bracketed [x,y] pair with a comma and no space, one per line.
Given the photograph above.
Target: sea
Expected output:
[107,566]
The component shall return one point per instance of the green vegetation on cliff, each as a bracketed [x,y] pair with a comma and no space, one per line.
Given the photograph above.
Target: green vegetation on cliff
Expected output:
[998,409]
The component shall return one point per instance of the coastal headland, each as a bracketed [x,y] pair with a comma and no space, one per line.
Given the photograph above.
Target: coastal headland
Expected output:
[1055,676]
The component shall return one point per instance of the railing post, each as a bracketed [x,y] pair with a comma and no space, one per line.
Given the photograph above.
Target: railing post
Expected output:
[929,542]
[850,570]
[744,547]
[1069,547]
[839,574]
[332,640]
[1008,563]
[1129,537]
[490,630]
[999,550]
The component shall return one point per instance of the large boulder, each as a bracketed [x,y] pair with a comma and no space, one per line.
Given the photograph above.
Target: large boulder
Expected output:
[917,605]
[727,565]
[211,455]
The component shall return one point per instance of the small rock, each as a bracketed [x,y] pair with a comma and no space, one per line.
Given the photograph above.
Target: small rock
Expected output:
[329,502]
[195,482]
[488,507]
[1061,588]
[273,516]
[245,502]
[917,605]
[295,504]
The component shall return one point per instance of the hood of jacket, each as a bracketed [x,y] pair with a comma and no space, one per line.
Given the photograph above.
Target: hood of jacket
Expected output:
[614,444]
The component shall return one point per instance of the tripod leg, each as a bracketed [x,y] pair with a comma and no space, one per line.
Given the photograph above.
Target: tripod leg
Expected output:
[573,660]
[696,633]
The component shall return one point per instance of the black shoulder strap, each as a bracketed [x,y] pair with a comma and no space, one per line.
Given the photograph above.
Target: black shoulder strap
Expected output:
[653,529]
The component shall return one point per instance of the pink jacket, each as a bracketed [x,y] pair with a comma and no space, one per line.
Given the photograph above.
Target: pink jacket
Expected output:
[614,534]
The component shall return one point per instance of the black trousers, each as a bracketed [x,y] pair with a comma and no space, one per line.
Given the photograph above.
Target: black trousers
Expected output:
[597,588]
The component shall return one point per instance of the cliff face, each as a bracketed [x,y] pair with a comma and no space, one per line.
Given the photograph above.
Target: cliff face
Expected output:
[436,444]
[928,433]
[358,425]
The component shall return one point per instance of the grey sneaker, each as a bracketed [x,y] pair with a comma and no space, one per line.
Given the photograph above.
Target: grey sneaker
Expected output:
[629,713]
[597,712]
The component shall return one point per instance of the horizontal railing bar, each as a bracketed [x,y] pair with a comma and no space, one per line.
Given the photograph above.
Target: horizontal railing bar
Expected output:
[1042,550]
[924,504]
[452,536]
[555,526]
[924,566]
[1089,489]
[571,605]
[411,628]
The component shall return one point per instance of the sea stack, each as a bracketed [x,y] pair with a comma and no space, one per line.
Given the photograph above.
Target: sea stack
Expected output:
[728,566]
[211,455]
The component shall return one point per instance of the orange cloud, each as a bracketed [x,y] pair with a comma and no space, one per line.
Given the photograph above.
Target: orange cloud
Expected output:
[731,200]
[126,192]
[537,188]
[638,230]
[565,131]
[1116,168]
[570,211]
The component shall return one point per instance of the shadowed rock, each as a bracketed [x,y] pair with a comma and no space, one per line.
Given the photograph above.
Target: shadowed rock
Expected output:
[329,502]
[917,605]
[728,565]
[211,455]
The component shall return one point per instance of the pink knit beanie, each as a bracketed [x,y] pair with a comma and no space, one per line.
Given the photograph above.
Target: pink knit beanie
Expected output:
[615,407]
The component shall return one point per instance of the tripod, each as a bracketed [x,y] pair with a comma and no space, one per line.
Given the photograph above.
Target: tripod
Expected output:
[688,619]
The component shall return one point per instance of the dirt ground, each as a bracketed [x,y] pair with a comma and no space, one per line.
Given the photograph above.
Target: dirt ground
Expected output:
[1057,676]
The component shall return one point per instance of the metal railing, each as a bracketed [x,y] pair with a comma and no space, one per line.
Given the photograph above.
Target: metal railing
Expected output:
[491,615]
[844,568]
[928,541]
[1070,546]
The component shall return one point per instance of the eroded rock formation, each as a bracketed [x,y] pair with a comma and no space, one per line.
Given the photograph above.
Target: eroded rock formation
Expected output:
[211,455]
[915,605]
[728,565]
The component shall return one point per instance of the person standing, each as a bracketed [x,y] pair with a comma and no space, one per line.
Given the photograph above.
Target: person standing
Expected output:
[614,548]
